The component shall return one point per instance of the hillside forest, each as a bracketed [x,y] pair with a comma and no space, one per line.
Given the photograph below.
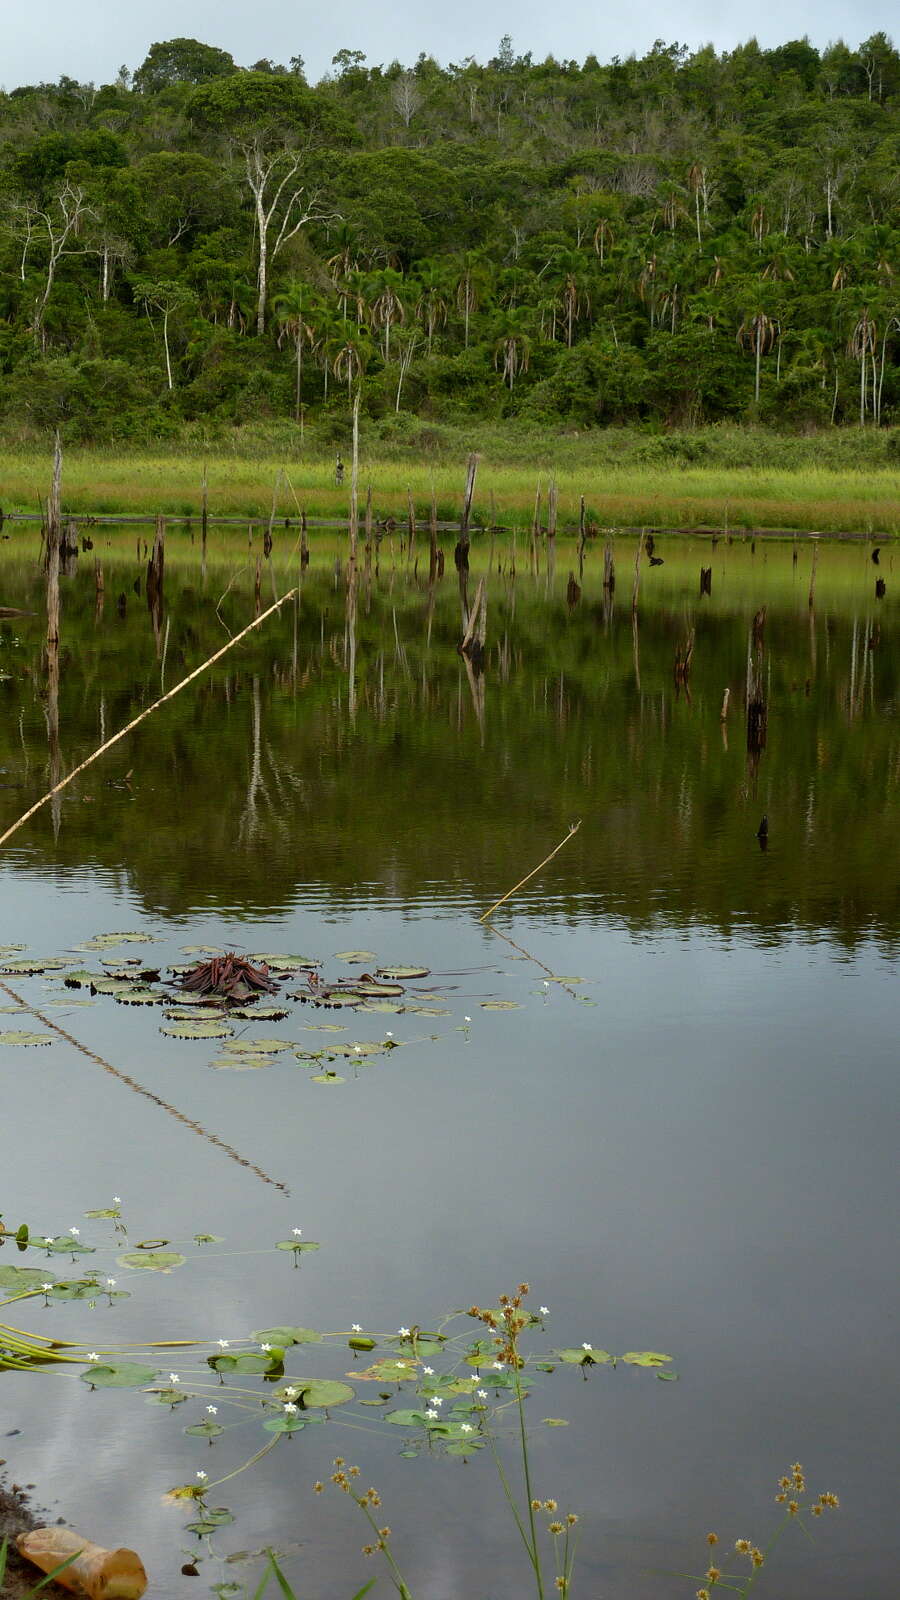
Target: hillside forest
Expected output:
[678,239]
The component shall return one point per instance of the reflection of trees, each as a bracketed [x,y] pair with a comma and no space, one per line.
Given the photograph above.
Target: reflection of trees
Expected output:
[256,780]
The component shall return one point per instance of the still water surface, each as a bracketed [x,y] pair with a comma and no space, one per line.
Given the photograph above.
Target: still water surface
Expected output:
[690,1149]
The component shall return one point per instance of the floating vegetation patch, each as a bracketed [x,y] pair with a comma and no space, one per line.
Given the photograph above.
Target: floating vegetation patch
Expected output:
[118,1375]
[152,1260]
[105,941]
[249,1061]
[20,1036]
[231,976]
[30,966]
[209,1028]
[259,1013]
[404,973]
[287,963]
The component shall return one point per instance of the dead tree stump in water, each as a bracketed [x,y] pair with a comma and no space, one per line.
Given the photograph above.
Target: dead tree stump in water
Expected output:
[706,580]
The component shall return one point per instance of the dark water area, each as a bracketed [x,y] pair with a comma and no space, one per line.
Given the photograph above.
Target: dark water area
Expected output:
[679,1126]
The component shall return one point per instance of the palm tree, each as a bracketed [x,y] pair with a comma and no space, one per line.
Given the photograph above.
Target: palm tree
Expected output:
[431,306]
[862,345]
[574,299]
[471,285]
[512,349]
[757,333]
[292,311]
[349,350]
[387,307]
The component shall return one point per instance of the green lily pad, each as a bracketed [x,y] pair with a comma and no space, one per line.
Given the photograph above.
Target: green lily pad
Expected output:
[554,1422]
[118,1374]
[288,1423]
[104,941]
[354,955]
[140,997]
[259,1013]
[361,1341]
[113,986]
[153,1260]
[327,1077]
[206,1430]
[18,1036]
[406,1419]
[297,1245]
[366,1048]
[65,1246]
[392,1371]
[288,963]
[322,1392]
[108,1211]
[426,1011]
[582,1357]
[213,1517]
[403,972]
[81,978]
[323,1027]
[166,1397]
[499,1005]
[386,1007]
[246,1361]
[646,1358]
[29,966]
[197,1030]
[378,991]
[265,1047]
[18,1279]
[251,1062]
[209,1238]
[287,1336]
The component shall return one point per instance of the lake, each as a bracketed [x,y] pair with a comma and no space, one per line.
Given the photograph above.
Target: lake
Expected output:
[661,1085]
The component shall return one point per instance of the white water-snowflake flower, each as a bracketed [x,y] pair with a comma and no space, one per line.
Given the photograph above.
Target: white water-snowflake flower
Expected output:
[223,1343]
[265,1348]
[465,1428]
[93,1356]
[46,1287]
[481,1393]
[110,1283]
[431,1415]
[436,1400]
[497,1366]
[75,1232]
[297,1232]
[201,1475]
[586,1347]
[428,1371]
[174,1378]
[290,1408]
[117,1199]
[212,1410]
[403,1332]
[545,1311]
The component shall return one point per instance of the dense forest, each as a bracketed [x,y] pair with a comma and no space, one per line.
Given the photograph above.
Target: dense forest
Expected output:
[663,241]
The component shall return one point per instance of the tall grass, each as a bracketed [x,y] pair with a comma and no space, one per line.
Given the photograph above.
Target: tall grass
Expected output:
[811,499]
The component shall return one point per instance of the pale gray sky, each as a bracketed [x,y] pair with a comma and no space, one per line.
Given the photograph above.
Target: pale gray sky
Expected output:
[90,39]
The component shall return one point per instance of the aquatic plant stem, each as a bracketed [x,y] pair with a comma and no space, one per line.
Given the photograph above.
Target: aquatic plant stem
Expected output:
[520,1402]
[573,829]
[142,717]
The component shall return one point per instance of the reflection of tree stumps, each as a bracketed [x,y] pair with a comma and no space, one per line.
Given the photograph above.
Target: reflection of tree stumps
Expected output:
[552,503]
[635,650]
[304,543]
[54,538]
[367,551]
[473,640]
[582,535]
[350,628]
[573,592]
[682,669]
[812,575]
[757,710]
[880,588]
[637,573]
[155,576]
[99,591]
[432,538]
[257,589]
[706,580]
[609,567]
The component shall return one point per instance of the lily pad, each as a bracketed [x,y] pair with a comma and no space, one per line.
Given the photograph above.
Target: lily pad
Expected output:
[29,966]
[322,1392]
[286,1423]
[288,963]
[153,1260]
[392,1007]
[366,1048]
[499,1005]
[140,997]
[297,1245]
[118,1375]
[354,955]
[18,1036]
[646,1358]
[213,1517]
[390,1371]
[65,1245]
[206,1430]
[378,991]
[265,1047]
[287,1336]
[19,1279]
[260,1013]
[197,1030]
[81,978]
[250,1062]
[327,1077]
[406,1419]
[105,941]
[246,1361]
[113,986]
[403,973]
[582,1357]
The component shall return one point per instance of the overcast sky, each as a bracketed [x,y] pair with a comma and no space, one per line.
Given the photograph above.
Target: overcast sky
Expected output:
[91,39]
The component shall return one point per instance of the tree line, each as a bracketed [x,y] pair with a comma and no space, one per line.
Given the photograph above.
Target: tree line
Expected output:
[679,238]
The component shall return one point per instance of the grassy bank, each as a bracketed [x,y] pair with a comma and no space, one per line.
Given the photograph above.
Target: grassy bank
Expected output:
[720,480]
